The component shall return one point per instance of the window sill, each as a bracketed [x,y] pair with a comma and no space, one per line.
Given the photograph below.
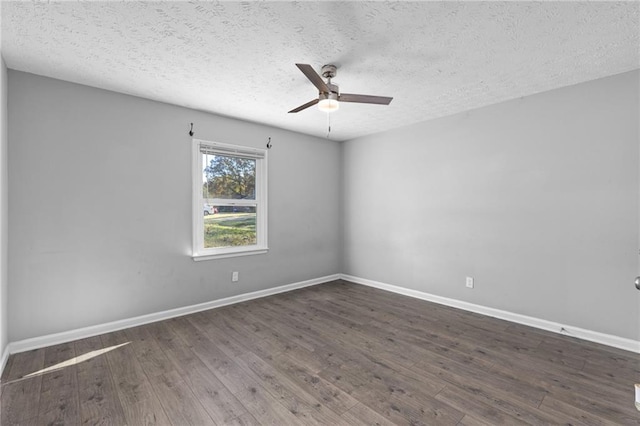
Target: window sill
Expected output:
[212,256]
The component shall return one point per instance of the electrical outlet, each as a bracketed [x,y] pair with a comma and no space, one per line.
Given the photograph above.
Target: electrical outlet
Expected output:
[469,282]
[234,276]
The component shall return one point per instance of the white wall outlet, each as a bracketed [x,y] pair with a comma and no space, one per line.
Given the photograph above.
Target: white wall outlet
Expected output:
[469,282]
[234,276]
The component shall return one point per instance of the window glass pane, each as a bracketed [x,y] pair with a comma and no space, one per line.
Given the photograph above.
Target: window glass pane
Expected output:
[229,192]
[230,226]
[225,177]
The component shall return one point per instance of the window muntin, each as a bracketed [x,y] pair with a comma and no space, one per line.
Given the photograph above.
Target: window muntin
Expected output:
[229,200]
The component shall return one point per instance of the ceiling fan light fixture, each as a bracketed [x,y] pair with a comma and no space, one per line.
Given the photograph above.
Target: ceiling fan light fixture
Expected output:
[328,102]
[329,97]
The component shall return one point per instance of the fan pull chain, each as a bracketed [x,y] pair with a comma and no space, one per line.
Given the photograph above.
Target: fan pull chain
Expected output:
[328,125]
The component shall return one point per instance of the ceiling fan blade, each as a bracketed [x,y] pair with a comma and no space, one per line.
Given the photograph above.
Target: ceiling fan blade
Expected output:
[364,99]
[305,106]
[313,77]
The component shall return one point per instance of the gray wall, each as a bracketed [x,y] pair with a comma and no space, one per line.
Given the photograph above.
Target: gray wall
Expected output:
[3,209]
[536,198]
[100,207]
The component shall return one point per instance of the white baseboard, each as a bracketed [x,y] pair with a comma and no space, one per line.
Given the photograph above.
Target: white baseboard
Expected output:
[82,333]
[4,359]
[568,330]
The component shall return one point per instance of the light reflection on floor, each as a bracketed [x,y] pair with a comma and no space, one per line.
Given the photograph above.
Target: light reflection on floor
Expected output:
[75,360]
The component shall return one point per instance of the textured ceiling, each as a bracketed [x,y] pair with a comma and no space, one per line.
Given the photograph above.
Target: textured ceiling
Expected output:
[238,58]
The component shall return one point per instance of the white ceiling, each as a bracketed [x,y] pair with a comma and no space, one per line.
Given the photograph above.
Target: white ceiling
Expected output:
[238,58]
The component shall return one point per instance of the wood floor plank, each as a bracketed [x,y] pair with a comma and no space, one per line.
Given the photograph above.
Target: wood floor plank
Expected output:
[7,369]
[299,333]
[257,401]
[382,339]
[346,336]
[503,403]
[99,402]
[421,339]
[361,415]
[20,401]
[469,420]
[554,372]
[561,409]
[221,405]
[491,382]
[592,352]
[412,350]
[147,351]
[139,402]
[430,336]
[510,344]
[405,308]
[129,378]
[178,401]
[313,384]
[145,412]
[394,377]
[620,412]
[242,340]
[337,353]
[554,381]
[306,342]
[59,403]
[26,364]
[622,374]
[387,396]
[466,403]
[293,398]
[243,420]
[21,393]
[167,334]
[225,340]
[307,409]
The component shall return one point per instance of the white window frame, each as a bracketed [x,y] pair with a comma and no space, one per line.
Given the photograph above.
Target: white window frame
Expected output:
[199,252]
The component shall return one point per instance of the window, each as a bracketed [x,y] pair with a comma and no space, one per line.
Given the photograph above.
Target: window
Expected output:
[229,200]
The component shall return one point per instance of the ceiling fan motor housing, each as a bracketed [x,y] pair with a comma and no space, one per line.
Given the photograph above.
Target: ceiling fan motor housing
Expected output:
[329,71]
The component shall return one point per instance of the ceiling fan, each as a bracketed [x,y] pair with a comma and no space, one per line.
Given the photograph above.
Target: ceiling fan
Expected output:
[329,97]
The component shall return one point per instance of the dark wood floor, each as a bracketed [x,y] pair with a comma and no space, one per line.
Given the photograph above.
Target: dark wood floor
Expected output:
[332,354]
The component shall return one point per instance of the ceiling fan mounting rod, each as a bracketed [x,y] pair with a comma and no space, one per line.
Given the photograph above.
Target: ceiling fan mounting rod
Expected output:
[333,88]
